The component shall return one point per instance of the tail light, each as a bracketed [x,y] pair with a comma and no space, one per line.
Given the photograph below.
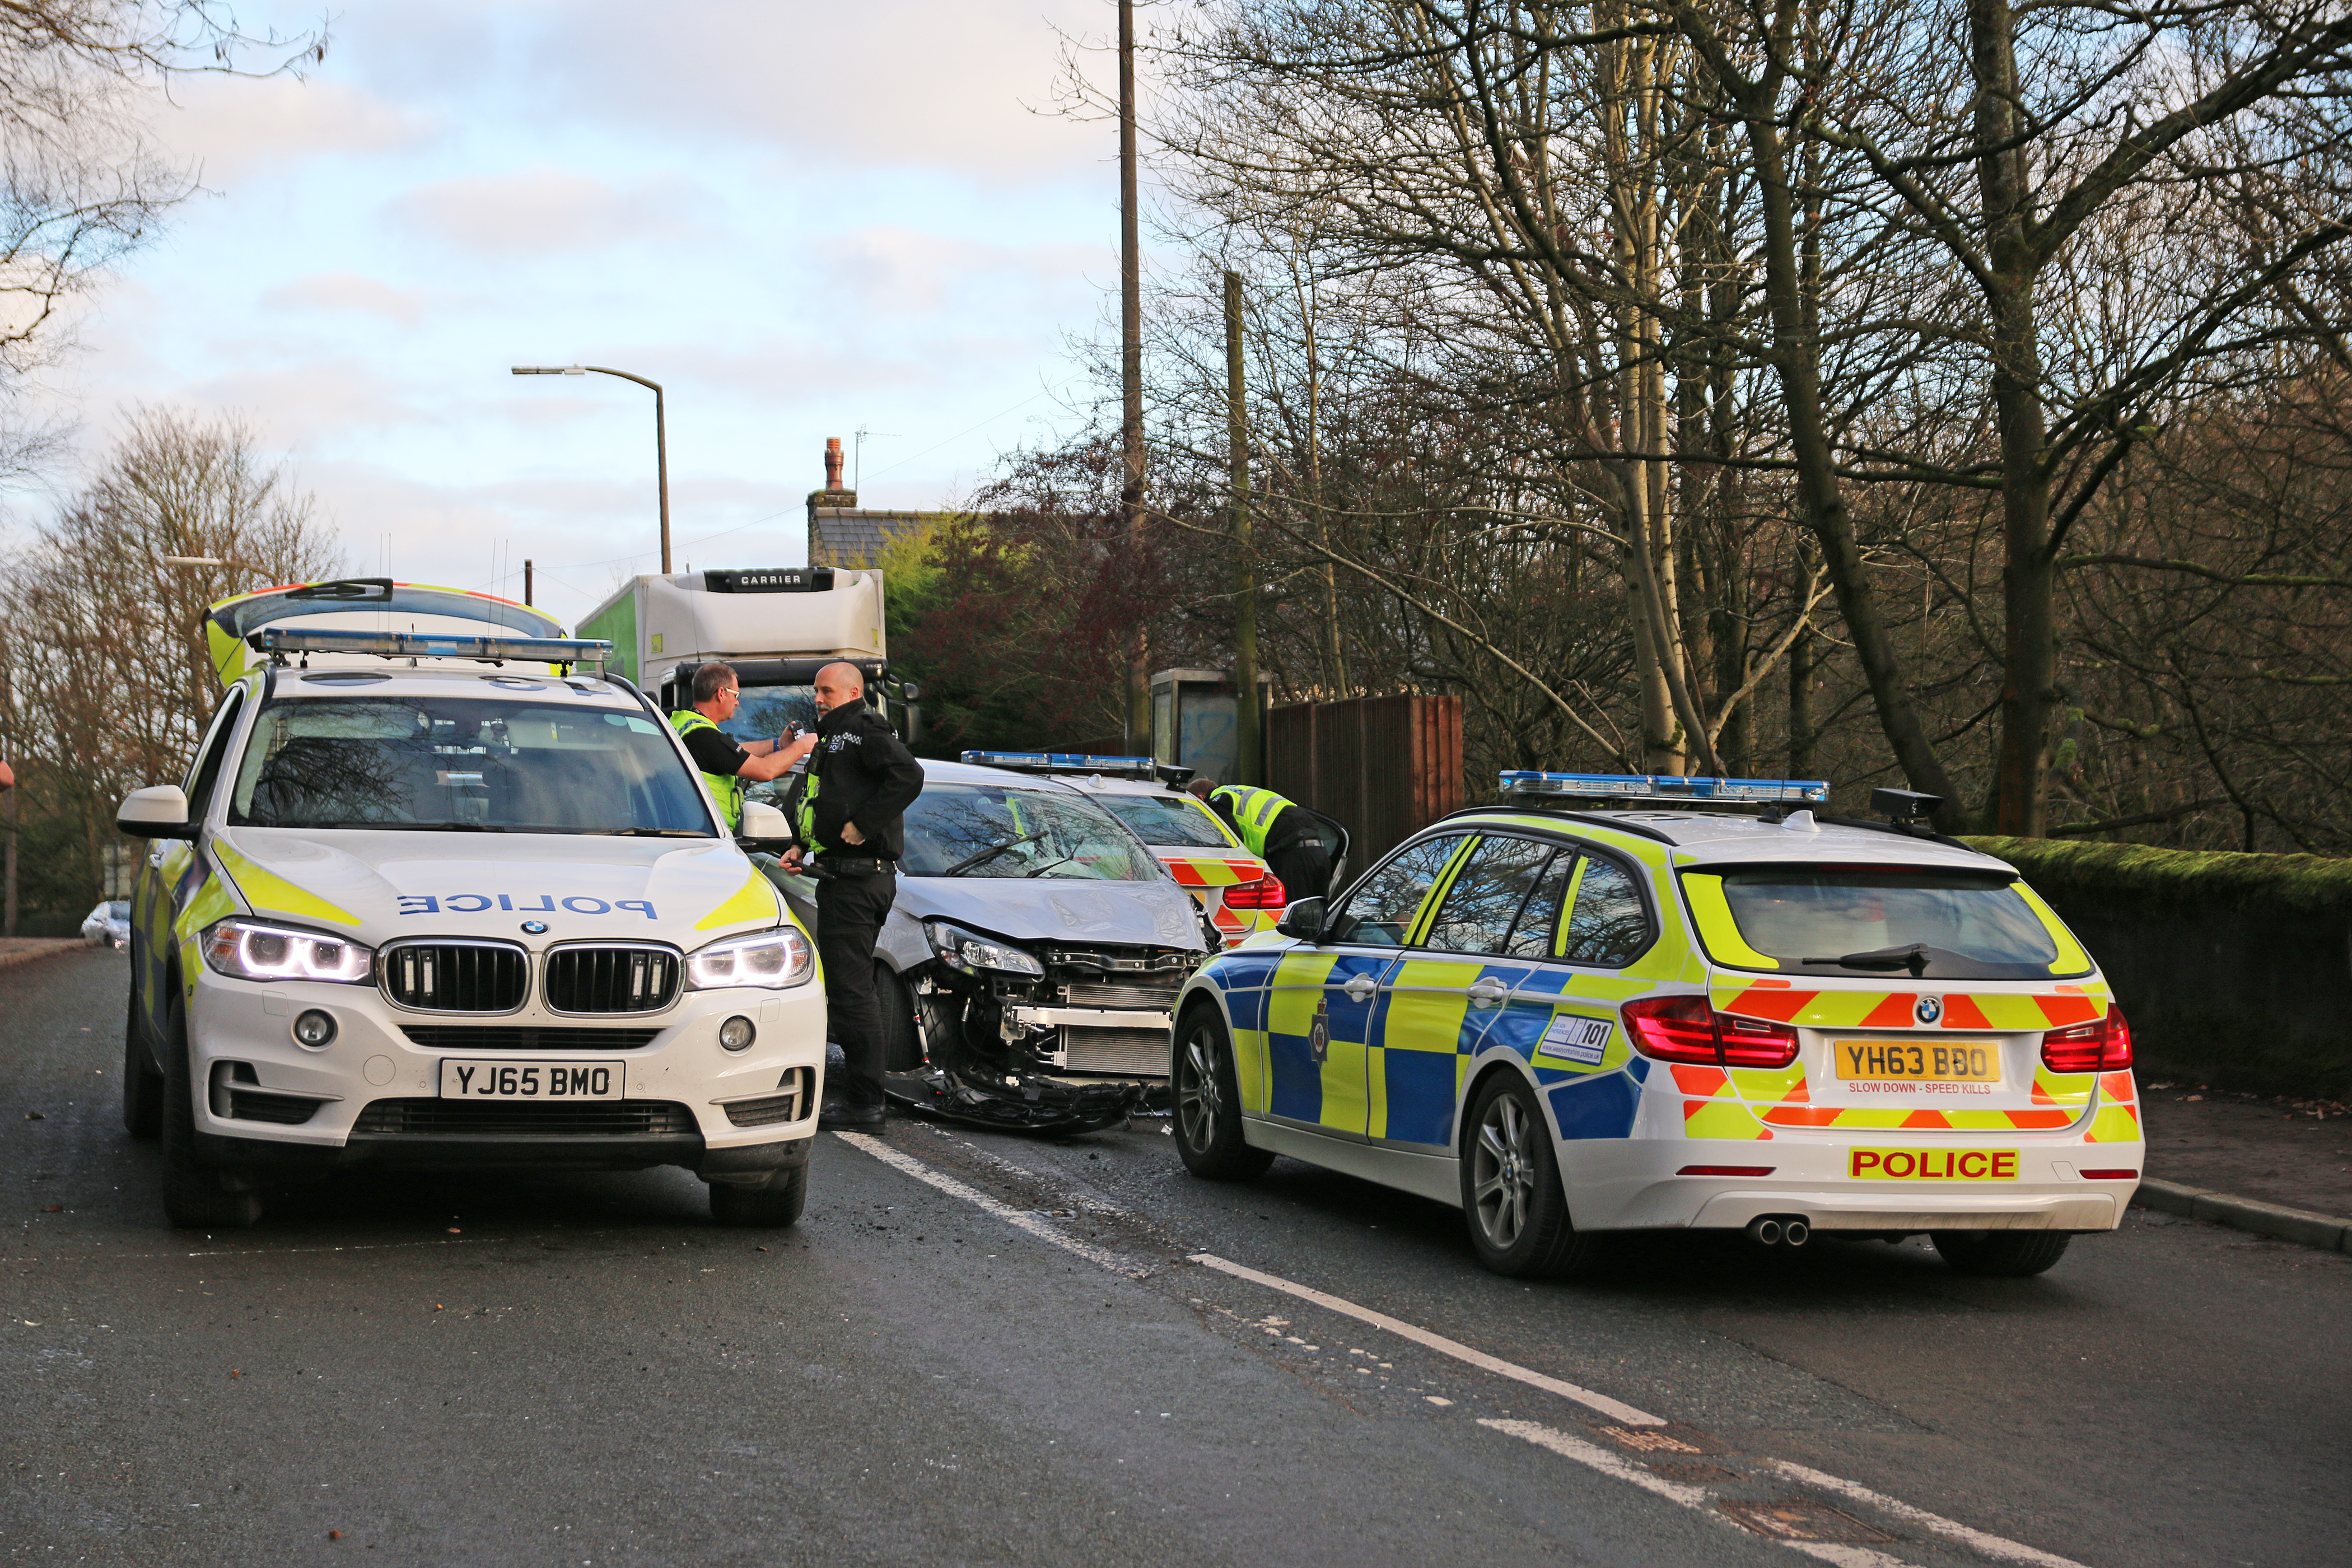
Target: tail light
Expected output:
[1685,1029]
[2105,1046]
[1266,893]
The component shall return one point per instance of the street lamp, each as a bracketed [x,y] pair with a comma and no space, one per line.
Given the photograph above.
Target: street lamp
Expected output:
[661,438]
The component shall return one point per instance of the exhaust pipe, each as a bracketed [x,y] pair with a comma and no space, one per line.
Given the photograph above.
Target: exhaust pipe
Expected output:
[1779,1230]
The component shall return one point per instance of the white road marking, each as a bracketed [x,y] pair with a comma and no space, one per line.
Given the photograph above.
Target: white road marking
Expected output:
[1590,1455]
[1697,1498]
[1991,1545]
[1614,1409]
[1100,1257]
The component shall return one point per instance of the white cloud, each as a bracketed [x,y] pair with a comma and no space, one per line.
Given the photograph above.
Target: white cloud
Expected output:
[963,84]
[238,130]
[347,292]
[545,211]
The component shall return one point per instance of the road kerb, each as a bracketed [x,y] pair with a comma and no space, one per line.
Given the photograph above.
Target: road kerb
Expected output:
[47,947]
[2330,1232]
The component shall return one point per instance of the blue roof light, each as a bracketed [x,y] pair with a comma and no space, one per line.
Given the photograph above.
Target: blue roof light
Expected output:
[1663,787]
[1061,762]
[430,645]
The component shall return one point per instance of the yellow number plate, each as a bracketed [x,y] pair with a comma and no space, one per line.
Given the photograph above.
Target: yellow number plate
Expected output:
[1937,1061]
[1932,1164]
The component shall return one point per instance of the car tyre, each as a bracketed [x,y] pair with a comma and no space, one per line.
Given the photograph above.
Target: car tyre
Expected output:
[902,1043]
[142,1086]
[771,1206]
[196,1195]
[1208,1103]
[2001,1254]
[1511,1191]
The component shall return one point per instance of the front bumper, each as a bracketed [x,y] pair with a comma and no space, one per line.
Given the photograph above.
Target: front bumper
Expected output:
[373,1093]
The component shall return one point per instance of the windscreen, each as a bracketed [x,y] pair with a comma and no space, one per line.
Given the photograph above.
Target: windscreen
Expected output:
[1167,819]
[982,830]
[464,764]
[1886,921]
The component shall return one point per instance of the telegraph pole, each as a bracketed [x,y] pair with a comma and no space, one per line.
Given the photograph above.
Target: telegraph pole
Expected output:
[1249,755]
[526,579]
[1130,369]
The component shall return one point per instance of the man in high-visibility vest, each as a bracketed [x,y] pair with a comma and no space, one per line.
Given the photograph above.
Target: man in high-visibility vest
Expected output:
[1284,834]
[727,763]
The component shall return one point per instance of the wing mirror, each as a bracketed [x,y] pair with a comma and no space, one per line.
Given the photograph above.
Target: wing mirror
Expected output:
[159,811]
[1303,920]
[765,827]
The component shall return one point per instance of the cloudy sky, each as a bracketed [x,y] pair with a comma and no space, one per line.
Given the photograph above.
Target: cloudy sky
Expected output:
[804,218]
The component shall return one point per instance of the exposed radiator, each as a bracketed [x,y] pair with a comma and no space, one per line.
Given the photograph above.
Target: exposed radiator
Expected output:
[1130,1053]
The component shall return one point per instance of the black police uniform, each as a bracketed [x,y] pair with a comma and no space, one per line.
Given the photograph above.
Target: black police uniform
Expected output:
[860,773]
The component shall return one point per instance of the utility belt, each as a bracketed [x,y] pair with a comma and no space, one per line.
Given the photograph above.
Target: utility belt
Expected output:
[825,866]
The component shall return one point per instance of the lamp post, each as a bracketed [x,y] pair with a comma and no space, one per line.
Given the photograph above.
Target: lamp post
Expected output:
[661,436]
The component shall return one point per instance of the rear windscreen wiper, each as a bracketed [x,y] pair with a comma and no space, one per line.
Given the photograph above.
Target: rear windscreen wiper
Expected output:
[1912,957]
[637,832]
[969,861]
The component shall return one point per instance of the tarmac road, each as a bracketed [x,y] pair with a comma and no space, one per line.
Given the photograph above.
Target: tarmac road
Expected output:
[584,1371]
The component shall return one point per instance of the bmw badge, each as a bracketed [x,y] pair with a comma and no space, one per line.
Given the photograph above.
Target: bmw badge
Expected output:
[1928,1009]
[538,928]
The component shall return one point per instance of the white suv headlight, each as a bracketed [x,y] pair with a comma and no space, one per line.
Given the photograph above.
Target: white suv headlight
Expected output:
[774,959]
[971,953]
[247,950]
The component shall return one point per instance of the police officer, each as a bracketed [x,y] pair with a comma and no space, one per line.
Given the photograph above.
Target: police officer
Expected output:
[1284,834]
[846,814]
[727,763]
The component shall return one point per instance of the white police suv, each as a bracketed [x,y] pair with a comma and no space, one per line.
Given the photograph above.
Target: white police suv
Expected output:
[445,899]
[1713,1008]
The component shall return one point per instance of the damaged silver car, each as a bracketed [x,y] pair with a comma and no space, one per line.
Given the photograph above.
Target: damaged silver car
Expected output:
[1032,957]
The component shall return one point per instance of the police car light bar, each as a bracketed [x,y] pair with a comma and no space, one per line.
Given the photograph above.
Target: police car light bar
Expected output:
[1664,787]
[1060,762]
[432,645]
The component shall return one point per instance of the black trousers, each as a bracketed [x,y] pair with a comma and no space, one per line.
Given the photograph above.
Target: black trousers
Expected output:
[849,915]
[1304,866]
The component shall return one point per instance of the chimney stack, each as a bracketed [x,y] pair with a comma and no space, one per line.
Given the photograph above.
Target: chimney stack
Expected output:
[833,463]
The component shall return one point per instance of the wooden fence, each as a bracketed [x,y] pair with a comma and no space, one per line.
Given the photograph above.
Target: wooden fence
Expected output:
[1383,767]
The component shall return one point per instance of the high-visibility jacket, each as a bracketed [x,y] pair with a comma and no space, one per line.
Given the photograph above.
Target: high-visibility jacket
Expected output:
[1253,812]
[725,788]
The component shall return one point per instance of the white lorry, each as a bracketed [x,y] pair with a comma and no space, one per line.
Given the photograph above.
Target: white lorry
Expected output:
[776,625]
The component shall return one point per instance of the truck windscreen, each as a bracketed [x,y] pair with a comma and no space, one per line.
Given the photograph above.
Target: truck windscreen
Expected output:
[766,710]
[463,764]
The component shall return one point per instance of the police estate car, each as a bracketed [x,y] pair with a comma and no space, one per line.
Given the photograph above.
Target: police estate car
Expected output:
[1573,1021]
[443,900]
[1234,888]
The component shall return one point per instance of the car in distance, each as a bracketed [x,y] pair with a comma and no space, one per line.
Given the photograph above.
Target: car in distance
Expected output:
[451,902]
[108,925]
[1572,1021]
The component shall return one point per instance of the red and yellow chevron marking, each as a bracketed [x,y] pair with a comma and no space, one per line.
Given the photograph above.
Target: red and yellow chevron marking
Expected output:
[1202,871]
[1720,1104]
[1783,1002]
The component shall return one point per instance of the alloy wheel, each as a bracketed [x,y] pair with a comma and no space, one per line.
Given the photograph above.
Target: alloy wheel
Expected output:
[1196,1093]
[1502,1172]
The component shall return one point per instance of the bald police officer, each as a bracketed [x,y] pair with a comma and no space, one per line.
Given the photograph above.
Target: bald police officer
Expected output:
[847,814]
